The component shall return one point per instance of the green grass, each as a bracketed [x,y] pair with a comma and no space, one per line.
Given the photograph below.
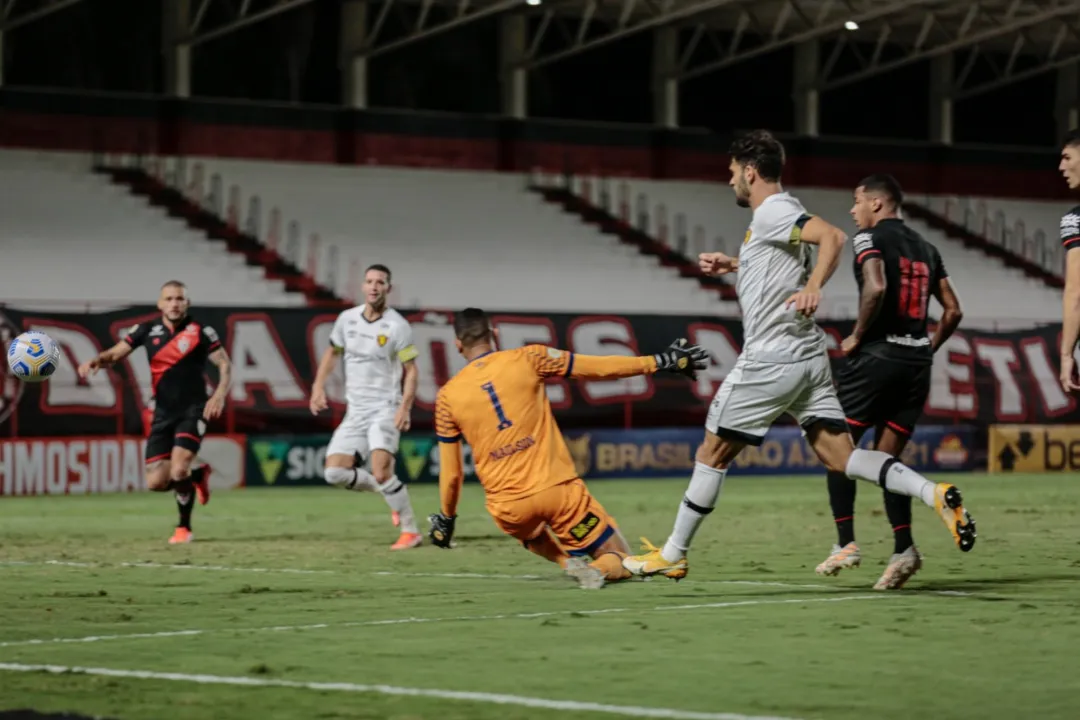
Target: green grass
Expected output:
[753,630]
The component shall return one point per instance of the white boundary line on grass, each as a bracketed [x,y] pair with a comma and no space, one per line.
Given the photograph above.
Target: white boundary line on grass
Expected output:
[394,573]
[477,697]
[422,620]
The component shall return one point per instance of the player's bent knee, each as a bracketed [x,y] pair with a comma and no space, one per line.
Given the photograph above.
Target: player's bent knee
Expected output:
[339,476]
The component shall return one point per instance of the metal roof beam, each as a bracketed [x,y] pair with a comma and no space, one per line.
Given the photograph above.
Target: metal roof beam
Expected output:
[666,14]
[965,38]
[242,19]
[10,20]
[423,28]
[879,10]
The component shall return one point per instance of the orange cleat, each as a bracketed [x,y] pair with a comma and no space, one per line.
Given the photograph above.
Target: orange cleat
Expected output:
[407,540]
[202,487]
[181,536]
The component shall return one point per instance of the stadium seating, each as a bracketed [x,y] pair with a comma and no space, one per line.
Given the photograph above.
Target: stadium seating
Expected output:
[71,237]
[994,295]
[453,239]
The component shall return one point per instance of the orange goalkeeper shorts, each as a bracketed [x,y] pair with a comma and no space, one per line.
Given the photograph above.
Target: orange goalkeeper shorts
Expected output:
[576,518]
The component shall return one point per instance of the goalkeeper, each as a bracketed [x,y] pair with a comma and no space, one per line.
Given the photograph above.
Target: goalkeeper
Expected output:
[497,403]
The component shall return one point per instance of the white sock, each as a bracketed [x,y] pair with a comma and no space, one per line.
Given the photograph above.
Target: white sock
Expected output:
[397,497]
[357,479]
[699,501]
[898,478]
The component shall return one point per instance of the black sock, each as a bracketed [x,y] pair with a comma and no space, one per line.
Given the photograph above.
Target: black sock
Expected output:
[898,509]
[842,499]
[185,489]
[197,474]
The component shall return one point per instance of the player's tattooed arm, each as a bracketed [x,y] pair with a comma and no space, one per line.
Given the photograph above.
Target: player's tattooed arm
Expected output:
[216,404]
[870,301]
[951,315]
[1070,319]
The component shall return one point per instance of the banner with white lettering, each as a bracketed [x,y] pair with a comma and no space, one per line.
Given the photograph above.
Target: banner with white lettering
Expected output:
[978,378]
[93,465]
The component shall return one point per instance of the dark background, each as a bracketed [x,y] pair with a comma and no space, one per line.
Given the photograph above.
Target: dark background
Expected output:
[115,46]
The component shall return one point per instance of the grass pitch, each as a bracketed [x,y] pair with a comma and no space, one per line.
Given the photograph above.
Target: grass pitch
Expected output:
[296,592]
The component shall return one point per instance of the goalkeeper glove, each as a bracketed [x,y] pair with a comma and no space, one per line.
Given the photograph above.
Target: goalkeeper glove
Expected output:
[682,358]
[442,529]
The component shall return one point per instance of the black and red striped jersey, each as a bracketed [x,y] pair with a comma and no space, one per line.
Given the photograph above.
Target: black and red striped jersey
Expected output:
[913,269]
[1070,229]
[177,358]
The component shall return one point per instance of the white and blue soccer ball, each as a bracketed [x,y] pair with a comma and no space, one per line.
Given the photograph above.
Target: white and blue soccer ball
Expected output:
[33,356]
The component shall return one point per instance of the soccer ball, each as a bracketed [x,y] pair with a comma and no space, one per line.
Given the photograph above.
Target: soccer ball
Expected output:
[33,356]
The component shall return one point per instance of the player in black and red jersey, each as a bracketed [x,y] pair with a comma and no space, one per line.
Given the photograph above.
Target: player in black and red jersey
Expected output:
[886,380]
[1070,240]
[178,348]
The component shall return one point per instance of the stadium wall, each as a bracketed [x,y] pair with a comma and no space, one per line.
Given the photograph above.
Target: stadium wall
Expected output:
[172,127]
[979,378]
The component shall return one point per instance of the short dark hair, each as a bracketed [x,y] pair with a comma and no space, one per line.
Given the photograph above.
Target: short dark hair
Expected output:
[174,283]
[1072,139]
[472,326]
[380,268]
[883,184]
[760,150]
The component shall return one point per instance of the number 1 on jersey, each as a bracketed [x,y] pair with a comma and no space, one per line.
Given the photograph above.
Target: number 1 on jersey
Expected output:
[504,422]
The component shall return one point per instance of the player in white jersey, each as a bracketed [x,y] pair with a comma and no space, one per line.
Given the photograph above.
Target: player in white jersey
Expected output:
[377,344]
[784,364]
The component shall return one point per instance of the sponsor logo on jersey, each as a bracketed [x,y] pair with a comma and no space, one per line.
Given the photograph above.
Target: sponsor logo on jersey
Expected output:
[863,241]
[1070,225]
[586,526]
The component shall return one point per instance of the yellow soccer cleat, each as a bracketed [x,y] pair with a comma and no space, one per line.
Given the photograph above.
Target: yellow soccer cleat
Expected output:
[653,563]
[950,506]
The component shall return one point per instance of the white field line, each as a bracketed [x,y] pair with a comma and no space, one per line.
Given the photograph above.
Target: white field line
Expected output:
[392,573]
[423,620]
[476,697]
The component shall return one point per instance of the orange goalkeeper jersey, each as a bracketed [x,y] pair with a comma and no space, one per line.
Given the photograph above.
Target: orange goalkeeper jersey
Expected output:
[498,404]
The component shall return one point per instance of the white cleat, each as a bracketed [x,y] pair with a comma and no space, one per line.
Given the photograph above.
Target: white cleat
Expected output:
[901,567]
[841,558]
[587,577]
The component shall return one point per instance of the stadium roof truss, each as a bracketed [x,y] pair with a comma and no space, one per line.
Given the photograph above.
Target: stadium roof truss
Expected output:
[16,13]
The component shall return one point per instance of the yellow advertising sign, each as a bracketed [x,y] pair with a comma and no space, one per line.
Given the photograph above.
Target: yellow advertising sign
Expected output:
[1034,448]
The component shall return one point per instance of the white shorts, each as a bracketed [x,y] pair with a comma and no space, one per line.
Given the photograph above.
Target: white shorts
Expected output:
[755,394]
[364,430]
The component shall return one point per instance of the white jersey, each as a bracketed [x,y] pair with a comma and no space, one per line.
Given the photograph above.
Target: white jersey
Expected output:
[773,265]
[375,353]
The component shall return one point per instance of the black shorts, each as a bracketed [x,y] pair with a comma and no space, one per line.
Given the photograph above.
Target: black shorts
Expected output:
[875,392]
[175,428]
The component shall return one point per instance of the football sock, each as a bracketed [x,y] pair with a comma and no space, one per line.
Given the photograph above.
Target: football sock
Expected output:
[546,546]
[610,564]
[885,470]
[842,498]
[699,501]
[185,502]
[357,479]
[197,474]
[397,497]
[898,508]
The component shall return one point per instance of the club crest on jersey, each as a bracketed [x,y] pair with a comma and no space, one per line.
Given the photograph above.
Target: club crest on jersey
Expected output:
[382,340]
[747,238]
[183,344]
